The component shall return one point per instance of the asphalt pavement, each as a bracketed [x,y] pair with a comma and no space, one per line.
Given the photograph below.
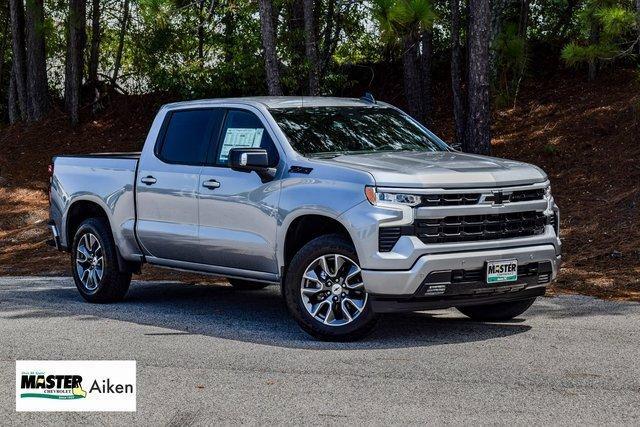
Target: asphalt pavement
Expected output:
[208,354]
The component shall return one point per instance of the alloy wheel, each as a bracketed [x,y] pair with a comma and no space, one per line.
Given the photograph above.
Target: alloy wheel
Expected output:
[332,290]
[89,261]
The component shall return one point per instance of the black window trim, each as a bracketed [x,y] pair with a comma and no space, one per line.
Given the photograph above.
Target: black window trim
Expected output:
[160,140]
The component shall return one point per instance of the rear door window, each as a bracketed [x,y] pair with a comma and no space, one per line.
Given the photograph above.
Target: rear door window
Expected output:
[188,134]
[243,129]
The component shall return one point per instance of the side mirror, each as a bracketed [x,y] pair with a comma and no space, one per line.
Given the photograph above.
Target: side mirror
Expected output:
[251,159]
[456,146]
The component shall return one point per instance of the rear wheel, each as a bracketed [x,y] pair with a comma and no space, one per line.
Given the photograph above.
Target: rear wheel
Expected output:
[95,263]
[325,293]
[496,312]
[247,285]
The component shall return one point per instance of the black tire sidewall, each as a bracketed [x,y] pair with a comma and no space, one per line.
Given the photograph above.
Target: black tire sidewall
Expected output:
[291,289]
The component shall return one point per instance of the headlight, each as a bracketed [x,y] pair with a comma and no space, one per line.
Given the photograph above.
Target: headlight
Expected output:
[381,198]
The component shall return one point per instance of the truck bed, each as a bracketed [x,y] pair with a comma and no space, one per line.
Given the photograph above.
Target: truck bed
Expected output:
[103,179]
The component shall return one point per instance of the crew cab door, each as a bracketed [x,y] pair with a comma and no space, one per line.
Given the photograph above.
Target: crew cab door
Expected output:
[167,185]
[237,211]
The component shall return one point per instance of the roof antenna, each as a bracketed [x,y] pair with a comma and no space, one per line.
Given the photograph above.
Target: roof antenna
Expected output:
[368,97]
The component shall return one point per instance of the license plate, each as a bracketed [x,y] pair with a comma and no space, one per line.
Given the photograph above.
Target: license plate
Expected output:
[502,271]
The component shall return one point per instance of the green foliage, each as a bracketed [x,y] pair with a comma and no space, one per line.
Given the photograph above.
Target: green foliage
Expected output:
[400,18]
[608,29]
[574,54]
[615,20]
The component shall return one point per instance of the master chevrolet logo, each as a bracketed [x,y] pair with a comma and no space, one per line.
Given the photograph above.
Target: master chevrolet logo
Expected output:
[75,385]
[52,386]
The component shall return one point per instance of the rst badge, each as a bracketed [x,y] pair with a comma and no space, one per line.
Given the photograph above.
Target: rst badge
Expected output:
[76,385]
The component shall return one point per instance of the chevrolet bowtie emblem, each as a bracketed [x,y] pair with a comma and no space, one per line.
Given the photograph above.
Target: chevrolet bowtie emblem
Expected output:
[499,198]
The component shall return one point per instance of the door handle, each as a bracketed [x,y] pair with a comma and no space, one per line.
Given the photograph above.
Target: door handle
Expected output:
[211,184]
[149,180]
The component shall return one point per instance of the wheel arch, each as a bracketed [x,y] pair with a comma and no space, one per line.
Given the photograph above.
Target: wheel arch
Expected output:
[305,227]
[84,208]
[80,210]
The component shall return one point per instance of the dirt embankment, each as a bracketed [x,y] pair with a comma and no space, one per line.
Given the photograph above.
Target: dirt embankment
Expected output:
[585,136]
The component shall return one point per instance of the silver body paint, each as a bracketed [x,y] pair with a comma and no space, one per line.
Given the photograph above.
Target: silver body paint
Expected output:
[239,229]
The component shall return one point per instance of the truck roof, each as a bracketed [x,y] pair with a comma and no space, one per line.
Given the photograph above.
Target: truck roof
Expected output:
[282,102]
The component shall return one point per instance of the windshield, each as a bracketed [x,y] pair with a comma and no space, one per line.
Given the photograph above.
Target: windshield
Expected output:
[327,130]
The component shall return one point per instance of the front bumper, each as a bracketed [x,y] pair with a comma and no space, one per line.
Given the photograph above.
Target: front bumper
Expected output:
[457,278]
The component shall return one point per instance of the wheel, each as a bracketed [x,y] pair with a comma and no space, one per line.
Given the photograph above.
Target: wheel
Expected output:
[324,291]
[95,263]
[496,312]
[247,285]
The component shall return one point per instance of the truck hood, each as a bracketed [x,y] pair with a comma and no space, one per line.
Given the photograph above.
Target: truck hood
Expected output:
[441,169]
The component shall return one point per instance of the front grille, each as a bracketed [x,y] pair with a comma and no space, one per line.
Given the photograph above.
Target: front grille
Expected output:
[462,199]
[518,196]
[430,200]
[480,227]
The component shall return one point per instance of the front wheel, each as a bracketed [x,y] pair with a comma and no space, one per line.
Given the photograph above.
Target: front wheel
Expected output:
[496,312]
[325,293]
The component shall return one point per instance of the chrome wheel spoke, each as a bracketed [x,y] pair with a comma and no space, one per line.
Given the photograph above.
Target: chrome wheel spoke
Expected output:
[312,277]
[353,271]
[345,310]
[325,267]
[355,286]
[89,261]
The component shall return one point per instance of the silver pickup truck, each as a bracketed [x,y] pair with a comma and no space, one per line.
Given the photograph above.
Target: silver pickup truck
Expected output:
[351,206]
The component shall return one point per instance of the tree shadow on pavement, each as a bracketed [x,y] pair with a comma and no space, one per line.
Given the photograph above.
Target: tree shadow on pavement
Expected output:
[220,311]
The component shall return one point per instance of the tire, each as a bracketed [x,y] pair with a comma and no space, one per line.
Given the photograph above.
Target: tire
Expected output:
[352,318]
[247,285]
[112,284]
[496,312]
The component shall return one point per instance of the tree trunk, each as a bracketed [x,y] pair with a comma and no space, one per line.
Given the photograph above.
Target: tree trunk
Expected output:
[411,78]
[94,55]
[37,84]
[478,130]
[456,73]
[14,110]
[311,48]
[267,30]
[74,60]
[123,30]
[19,56]
[426,60]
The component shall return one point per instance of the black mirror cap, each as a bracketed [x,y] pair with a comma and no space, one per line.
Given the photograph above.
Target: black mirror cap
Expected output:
[248,158]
